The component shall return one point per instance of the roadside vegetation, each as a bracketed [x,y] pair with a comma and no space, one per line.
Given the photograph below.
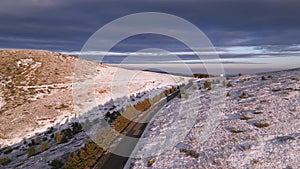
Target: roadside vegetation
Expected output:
[85,157]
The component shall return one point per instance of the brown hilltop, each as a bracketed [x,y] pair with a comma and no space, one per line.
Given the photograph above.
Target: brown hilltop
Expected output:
[31,68]
[36,89]
[36,67]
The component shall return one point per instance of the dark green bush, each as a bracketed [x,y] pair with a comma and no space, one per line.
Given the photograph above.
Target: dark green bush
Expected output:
[31,151]
[56,164]
[4,161]
[67,132]
[8,150]
[76,128]
[50,130]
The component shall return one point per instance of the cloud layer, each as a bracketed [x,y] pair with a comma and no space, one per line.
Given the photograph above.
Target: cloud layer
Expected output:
[256,34]
[67,24]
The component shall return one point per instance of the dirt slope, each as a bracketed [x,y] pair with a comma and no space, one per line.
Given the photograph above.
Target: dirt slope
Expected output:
[36,89]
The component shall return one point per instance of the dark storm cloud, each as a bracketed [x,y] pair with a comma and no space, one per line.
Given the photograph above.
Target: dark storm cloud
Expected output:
[67,24]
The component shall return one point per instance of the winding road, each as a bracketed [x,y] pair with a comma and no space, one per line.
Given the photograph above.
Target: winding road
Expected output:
[135,130]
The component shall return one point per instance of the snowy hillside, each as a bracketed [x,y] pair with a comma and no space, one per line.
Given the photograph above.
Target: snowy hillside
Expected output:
[258,128]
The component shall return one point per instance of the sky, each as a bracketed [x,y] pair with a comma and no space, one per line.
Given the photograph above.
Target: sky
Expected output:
[249,35]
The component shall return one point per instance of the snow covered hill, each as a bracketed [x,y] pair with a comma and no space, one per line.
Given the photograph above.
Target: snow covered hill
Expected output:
[258,128]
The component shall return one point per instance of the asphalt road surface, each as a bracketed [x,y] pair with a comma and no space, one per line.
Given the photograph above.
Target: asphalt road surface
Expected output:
[135,129]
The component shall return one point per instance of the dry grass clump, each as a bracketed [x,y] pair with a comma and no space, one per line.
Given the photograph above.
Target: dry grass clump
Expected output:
[169,91]
[150,162]
[102,91]
[143,105]
[36,141]
[244,95]
[60,138]
[44,146]
[244,147]
[244,117]
[85,157]
[62,106]
[261,124]
[120,123]
[229,84]
[236,131]
[191,153]
[258,112]
[207,85]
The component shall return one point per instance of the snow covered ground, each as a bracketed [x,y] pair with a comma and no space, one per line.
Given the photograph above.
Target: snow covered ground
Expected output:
[258,128]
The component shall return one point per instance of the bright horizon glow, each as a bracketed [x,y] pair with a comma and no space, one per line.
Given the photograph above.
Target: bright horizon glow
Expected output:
[255,58]
[232,50]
